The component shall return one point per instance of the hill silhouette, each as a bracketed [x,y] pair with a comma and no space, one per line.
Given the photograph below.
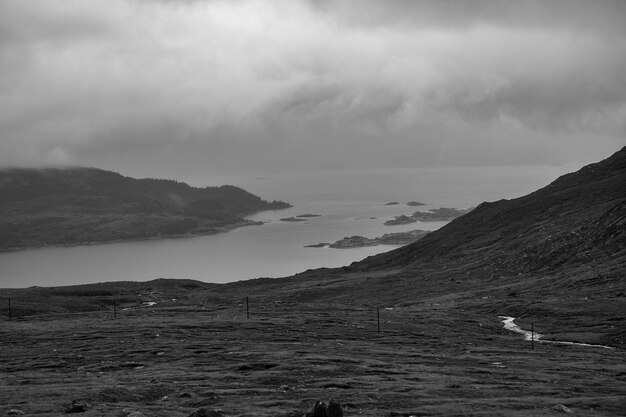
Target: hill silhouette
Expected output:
[68,206]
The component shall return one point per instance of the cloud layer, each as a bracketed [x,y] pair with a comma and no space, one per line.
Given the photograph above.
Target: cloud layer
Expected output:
[288,84]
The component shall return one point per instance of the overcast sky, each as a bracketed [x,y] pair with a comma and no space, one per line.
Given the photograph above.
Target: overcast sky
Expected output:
[172,87]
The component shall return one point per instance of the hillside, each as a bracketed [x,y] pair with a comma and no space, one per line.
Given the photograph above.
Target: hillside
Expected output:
[70,206]
[415,331]
[578,219]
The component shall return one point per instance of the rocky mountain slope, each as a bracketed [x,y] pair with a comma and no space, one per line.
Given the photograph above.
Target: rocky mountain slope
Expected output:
[82,205]
[580,218]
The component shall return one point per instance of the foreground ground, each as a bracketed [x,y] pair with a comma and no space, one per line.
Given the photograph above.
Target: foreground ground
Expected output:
[176,356]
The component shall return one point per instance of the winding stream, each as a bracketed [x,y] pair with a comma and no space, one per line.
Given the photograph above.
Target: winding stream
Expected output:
[509,324]
[144,304]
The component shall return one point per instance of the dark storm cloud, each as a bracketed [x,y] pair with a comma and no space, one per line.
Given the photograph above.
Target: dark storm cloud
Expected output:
[252,84]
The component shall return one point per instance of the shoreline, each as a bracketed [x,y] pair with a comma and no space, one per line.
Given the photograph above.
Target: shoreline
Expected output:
[220,230]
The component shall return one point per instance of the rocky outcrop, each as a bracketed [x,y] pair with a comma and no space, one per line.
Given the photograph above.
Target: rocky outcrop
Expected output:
[76,406]
[321,409]
[203,412]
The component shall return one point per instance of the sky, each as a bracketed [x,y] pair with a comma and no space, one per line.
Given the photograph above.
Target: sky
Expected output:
[168,88]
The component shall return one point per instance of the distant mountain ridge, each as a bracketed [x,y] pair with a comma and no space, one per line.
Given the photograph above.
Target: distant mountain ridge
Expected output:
[66,206]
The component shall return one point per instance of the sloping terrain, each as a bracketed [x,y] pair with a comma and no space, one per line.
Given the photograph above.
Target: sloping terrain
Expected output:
[83,205]
[416,331]
[579,218]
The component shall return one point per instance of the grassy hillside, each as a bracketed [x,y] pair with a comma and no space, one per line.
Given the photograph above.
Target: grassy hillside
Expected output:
[83,205]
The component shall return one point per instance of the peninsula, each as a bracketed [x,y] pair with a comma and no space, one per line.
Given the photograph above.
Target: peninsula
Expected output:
[74,206]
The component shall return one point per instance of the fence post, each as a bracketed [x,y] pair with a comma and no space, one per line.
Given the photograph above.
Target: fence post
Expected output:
[10,313]
[247,309]
[114,309]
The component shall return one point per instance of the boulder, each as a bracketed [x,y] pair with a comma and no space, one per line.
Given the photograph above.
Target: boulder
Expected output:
[76,406]
[320,409]
[562,409]
[334,409]
[203,412]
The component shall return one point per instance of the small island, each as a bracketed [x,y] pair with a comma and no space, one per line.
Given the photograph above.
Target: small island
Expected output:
[317,245]
[400,238]
[398,220]
[410,203]
[441,214]
[300,217]
[292,219]
[353,242]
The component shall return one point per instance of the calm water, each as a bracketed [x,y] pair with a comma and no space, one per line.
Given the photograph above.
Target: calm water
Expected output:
[350,203]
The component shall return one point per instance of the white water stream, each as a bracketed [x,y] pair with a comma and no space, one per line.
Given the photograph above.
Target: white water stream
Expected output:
[509,324]
[144,304]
